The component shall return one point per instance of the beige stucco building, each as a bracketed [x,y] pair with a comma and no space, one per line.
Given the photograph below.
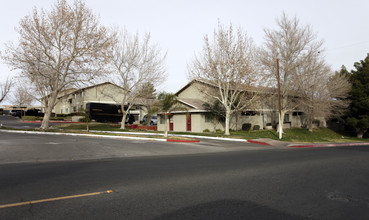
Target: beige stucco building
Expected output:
[73,100]
[192,115]
[76,99]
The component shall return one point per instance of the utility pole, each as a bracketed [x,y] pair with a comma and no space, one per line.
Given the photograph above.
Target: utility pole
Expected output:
[279,102]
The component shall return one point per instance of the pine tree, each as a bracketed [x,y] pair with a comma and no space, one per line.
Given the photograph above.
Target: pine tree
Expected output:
[358,115]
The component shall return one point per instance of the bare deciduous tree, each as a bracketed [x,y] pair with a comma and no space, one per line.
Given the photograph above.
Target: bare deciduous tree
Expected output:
[5,88]
[293,44]
[21,97]
[227,64]
[320,93]
[59,49]
[135,63]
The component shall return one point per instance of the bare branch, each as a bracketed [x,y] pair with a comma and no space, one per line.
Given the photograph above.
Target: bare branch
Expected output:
[5,88]
[227,63]
[59,49]
[136,63]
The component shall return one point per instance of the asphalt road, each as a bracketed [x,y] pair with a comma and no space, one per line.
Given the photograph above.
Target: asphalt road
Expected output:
[323,183]
[162,180]
[21,148]
[15,122]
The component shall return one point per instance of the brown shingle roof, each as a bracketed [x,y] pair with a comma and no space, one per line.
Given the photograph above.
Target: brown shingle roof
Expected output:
[193,103]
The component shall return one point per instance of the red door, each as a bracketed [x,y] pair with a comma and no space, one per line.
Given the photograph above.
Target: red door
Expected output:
[170,123]
[188,122]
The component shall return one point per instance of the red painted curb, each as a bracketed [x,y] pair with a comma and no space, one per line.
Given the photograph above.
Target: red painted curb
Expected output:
[258,142]
[330,145]
[185,141]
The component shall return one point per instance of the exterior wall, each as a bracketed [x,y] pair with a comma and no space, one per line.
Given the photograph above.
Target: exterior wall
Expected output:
[160,126]
[199,123]
[104,93]
[296,121]
[267,105]
[197,120]
[179,122]
[209,125]
[242,119]
[195,90]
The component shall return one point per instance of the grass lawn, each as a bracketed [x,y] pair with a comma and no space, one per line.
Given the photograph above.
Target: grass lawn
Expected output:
[320,135]
[92,126]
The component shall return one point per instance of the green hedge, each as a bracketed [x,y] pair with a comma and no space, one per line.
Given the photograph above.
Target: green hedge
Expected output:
[256,127]
[62,115]
[246,127]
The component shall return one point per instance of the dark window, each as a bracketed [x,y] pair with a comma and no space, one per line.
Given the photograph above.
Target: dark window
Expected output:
[297,113]
[249,113]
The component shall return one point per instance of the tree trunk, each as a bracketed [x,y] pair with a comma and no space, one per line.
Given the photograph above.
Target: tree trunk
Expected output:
[123,122]
[310,120]
[227,121]
[49,109]
[165,125]
[46,119]
[236,121]
[310,124]
[280,123]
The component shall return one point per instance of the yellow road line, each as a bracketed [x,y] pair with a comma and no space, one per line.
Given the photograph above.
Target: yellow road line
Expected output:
[54,199]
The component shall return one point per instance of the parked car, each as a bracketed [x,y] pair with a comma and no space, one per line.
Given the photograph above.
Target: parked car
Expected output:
[17,113]
[153,120]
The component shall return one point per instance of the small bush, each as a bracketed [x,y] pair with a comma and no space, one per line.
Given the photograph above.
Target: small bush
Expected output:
[269,124]
[57,118]
[62,115]
[206,130]
[246,127]
[256,127]
[83,120]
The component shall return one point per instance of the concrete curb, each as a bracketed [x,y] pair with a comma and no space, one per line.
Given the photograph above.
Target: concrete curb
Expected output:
[84,135]
[327,145]
[178,135]
[183,141]
[191,136]
[102,136]
[258,142]
[138,138]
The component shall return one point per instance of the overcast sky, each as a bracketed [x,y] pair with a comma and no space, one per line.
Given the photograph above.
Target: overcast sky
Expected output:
[179,26]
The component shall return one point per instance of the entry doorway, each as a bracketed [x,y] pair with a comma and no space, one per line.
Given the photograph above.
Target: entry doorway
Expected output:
[188,122]
[171,124]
